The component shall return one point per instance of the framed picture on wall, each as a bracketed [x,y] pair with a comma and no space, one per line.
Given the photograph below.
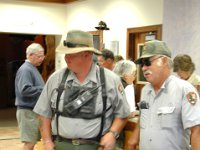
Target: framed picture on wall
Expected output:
[97,39]
[140,77]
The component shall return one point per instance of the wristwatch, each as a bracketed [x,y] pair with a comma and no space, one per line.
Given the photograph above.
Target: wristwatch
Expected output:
[115,134]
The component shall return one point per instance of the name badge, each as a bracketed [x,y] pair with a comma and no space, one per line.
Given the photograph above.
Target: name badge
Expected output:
[165,110]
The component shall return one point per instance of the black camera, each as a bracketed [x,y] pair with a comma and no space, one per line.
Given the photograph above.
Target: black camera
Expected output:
[143,105]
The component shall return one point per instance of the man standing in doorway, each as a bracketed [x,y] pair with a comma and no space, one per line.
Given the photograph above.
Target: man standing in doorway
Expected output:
[28,87]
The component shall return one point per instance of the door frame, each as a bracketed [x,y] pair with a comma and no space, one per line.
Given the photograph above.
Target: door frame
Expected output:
[133,40]
[99,34]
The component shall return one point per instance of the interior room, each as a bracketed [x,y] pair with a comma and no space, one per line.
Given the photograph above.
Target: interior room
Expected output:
[130,22]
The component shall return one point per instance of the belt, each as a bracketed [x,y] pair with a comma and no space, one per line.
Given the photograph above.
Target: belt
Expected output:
[24,107]
[78,141]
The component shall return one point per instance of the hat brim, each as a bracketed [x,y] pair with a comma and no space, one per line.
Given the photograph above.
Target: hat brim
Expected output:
[139,60]
[102,28]
[66,50]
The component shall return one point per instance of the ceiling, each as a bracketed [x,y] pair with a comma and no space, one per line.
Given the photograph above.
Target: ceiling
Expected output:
[50,1]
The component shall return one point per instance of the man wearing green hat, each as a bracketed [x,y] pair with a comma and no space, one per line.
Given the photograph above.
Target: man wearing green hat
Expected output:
[169,106]
[82,106]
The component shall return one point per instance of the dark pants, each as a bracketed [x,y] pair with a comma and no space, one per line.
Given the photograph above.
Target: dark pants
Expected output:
[69,146]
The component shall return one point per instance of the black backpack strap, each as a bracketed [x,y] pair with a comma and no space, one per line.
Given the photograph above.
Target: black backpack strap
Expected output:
[60,90]
[104,98]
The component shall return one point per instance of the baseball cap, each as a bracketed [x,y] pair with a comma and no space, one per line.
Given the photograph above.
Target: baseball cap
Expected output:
[154,47]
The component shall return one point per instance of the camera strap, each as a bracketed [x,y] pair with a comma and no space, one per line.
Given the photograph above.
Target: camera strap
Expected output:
[104,99]
[60,90]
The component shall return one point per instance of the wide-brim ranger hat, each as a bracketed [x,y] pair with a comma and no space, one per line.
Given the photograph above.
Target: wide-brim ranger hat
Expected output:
[77,41]
[102,26]
[154,47]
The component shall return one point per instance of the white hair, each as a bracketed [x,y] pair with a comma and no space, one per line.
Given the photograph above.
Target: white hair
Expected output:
[33,48]
[124,67]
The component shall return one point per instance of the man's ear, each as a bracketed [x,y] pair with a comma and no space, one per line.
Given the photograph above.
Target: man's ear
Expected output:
[109,60]
[165,60]
[65,58]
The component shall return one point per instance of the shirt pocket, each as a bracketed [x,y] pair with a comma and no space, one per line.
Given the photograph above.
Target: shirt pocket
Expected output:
[143,118]
[169,118]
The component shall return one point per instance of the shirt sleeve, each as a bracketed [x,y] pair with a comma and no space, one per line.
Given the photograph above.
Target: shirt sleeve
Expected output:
[117,98]
[130,96]
[190,112]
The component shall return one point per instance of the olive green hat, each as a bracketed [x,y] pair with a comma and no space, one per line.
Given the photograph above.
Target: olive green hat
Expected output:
[154,47]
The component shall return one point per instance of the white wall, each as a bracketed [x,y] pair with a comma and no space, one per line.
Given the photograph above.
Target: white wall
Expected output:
[181,28]
[32,17]
[47,18]
[118,15]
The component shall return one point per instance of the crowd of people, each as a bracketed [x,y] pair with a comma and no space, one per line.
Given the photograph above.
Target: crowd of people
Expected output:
[87,104]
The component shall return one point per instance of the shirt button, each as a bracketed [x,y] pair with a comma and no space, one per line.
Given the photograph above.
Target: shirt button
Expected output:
[150,140]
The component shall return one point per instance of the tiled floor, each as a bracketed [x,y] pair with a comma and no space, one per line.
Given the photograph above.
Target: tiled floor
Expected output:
[9,139]
[9,132]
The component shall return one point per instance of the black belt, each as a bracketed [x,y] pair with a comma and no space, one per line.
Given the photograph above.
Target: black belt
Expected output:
[24,107]
[78,141]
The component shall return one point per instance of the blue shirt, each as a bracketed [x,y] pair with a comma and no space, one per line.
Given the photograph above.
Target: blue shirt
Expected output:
[28,85]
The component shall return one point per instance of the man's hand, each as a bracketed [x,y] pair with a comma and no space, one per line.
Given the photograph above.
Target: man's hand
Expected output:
[48,145]
[132,143]
[134,139]
[108,141]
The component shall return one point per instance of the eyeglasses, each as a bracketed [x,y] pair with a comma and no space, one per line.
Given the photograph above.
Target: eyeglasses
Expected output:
[147,61]
[39,56]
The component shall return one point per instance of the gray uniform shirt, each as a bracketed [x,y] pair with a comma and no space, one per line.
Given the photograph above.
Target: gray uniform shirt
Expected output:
[165,124]
[81,128]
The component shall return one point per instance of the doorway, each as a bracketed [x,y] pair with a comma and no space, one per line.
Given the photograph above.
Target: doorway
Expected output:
[135,39]
[13,53]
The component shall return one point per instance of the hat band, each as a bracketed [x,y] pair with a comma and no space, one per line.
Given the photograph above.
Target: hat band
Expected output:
[73,45]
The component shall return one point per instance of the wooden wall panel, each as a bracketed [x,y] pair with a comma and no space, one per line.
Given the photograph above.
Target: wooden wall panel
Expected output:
[49,1]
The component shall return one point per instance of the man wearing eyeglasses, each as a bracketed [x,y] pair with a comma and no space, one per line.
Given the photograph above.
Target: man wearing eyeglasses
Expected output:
[28,87]
[169,106]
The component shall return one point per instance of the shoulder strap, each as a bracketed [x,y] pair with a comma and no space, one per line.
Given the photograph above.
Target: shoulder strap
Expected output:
[124,83]
[104,98]
[60,90]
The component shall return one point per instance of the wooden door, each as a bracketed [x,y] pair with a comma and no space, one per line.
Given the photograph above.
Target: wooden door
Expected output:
[49,62]
[135,38]
[97,39]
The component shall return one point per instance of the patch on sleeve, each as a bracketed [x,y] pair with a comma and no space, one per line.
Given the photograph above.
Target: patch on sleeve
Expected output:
[192,98]
[120,89]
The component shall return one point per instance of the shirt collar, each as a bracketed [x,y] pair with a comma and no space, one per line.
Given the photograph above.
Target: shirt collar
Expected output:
[163,87]
[92,76]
